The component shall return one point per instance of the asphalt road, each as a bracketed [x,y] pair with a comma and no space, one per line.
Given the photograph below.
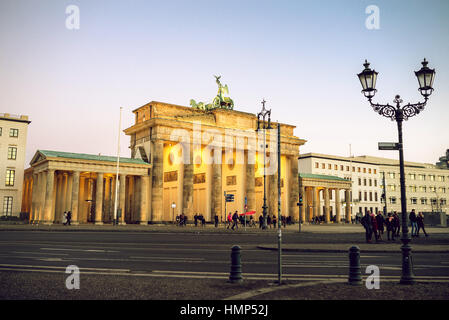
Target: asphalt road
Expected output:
[195,255]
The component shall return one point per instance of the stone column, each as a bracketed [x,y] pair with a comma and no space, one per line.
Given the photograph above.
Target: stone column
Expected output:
[337,205]
[294,190]
[157,180]
[314,202]
[187,185]
[34,197]
[143,216]
[107,200]
[348,206]
[326,205]
[49,201]
[217,194]
[99,199]
[75,197]
[122,197]
[250,183]
[58,199]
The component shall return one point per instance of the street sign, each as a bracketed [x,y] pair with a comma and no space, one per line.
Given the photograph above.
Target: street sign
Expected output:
[229,198]
[388,146]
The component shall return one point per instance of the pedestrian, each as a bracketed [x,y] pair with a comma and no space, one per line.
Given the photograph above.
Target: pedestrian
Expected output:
[420,223]
[269,221]
[69,218]
[367,224]
[216,221]
[274,221]
[380,225]
[413,223]
[177,220]
[235,218]
[64,218]
[389,222]
[229,220]
[260,222]
[374,224]
[397,224]
[203,221]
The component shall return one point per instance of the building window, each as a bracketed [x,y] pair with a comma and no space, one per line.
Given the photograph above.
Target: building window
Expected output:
[433,201]
[391,175]
[370,182]
[364,170]
[441,190]
[414,201]
[441,178]
[347,168]
[317,165]
[375,171]
[422,189]
[370,196]
[358,169]
[412,188]
[329,166]
[375,196]
[353,169]
[7,206]
[360,195]
[14,133]
[423,200]
[392,187]
[432,189]
[443,202]
[360,181]
[323,166]
[432,177]
[342,168]
[12,153]
[393,200]
[422,177]
[335,166]
[10,176]
[364,182]
[369,170]
[365,196]
[0,132]
[375,182]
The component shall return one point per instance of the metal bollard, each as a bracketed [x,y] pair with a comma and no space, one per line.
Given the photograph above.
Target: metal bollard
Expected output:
[236,267]
[355,273]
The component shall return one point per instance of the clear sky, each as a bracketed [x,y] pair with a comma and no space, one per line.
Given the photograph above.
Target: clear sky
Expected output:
[301,56]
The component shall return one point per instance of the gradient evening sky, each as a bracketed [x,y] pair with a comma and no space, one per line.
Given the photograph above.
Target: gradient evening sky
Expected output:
[301,56]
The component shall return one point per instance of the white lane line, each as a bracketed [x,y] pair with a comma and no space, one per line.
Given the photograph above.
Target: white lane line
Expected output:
[57,267]
[167,258]
[53,254]
[84,250]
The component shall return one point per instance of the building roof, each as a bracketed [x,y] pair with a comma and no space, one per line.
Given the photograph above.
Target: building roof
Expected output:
[320,176]
[83,156]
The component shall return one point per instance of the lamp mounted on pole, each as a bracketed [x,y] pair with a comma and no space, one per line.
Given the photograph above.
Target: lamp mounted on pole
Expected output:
[400,113]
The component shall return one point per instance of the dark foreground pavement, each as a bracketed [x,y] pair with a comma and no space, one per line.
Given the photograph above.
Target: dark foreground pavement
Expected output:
[24,285]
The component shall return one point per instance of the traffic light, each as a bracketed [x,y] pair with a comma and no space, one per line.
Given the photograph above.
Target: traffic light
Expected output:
[300,200]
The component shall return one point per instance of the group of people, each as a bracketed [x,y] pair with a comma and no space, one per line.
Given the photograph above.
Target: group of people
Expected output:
[375,224]
[273,221]
[199,217]
[181,220]
[67,218]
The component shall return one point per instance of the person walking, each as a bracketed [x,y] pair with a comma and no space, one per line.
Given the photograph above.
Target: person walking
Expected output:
[397,224]
[235,219]
[367,224]
[69,218]
[216,221]
[389,222]
[229,220]
[260,222]
[420,224]
[64,218]
[269,221]
[413,223]
[374,224]
[380,225]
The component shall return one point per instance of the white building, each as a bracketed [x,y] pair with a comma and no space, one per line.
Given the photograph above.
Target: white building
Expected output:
[13,135]
[366,188]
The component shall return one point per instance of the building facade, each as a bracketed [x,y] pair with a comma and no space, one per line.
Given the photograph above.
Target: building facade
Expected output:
[427,185]
[365,189]
[13,137]
[183,161]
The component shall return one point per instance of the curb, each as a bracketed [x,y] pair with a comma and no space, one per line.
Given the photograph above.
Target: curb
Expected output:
[346,251]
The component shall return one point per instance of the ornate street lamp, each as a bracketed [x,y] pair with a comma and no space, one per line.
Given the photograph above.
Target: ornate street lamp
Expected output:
[265,125]
[400,113]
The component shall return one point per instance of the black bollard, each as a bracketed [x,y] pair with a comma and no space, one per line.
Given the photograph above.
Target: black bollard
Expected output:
[355,273]
[236,267]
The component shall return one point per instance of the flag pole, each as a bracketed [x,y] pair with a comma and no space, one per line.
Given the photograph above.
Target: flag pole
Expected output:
[117,182]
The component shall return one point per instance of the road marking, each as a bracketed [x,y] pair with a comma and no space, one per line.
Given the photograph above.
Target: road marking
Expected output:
[57,267]
[85,250]
[53,254]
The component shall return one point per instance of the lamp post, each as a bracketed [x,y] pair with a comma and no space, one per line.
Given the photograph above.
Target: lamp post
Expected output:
[264,114]
[400,113]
